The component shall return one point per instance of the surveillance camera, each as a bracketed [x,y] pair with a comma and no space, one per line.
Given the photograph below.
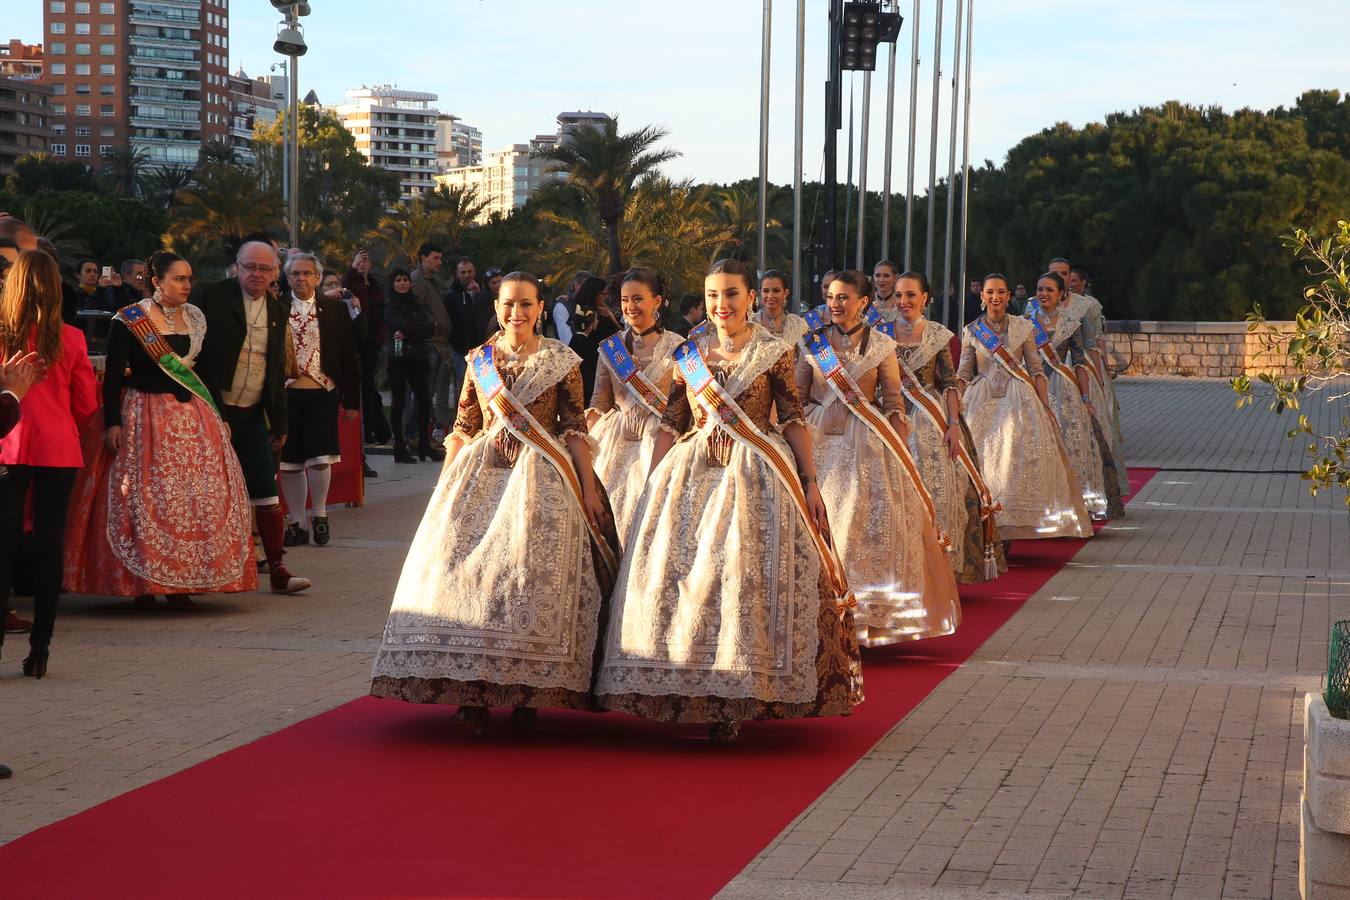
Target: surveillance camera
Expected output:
[290,41]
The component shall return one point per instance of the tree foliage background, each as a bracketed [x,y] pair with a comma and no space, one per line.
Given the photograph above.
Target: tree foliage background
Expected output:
[1176,210]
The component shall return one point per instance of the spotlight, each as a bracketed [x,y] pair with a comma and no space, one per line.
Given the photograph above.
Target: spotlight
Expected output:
[290,41]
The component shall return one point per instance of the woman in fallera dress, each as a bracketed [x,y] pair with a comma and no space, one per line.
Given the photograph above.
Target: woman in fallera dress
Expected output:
[161,507]
[1059,341]
[940,440]
[773,308]
[631,386]
[882,524]
[501,594]
[730,603]
[1021,455]
[885,300]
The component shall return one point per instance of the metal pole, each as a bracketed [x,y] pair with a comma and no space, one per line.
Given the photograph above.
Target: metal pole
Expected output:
[862,165]
[965,154]
[913,128]
[293,211]
[762,260]
[833,101]
[932,156]
[798,149]
[886,167]
[848,173]
[951,164]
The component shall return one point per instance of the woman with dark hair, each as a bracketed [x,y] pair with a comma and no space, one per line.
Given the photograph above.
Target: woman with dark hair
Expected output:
[162,507]
[884,277]
[502,592]
[631,387]
[586,333]
[773,312]
[883,521]
[407,326]
[731,603]
[940,440]
[1021,455]
[1059,341]
[43,449]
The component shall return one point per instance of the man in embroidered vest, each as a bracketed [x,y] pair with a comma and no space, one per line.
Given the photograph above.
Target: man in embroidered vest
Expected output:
[243,364]
[326,372]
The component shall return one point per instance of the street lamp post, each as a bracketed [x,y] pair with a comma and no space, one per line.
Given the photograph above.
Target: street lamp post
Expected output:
[290,42]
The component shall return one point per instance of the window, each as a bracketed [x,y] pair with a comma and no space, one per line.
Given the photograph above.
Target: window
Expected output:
[81,109]
[57,48]
[58,109]
[107,69]
[107,131]
[105,50]
[107,90]
[58,149]
[58,6]
[106,111]
[58,28]
[83,131]
[105,9]
[58,68]
[81,149]
[82,68]
[82,9]
[81,27]
[59,90]
[107,28]
[105,149]
[59,129]
[83,89]
[82,49]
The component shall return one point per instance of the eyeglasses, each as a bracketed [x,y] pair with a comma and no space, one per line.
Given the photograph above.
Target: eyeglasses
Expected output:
[257,268]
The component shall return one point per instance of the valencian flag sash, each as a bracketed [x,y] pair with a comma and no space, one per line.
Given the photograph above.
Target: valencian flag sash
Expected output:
[928,404]
[1046,347]
[728,415]
[819,317]
[136,320]
[526,429]
[847,391]
[625,368]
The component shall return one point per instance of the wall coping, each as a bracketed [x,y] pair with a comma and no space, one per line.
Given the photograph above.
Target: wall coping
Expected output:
[1136,326]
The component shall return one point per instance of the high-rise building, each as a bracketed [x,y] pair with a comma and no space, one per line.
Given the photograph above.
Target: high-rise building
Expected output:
[24,128]
[251,107]
[20,60]
[457,143]
[569,122]
[152,74]
[395,130]
[505,181]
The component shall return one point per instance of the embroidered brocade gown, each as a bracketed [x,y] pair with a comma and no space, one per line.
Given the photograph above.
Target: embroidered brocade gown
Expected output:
[957,501]
[168,513]
[501,594]
[896,567]
[1019,451]
[1083,437]
[1103,392]
[722,611]
[626,430]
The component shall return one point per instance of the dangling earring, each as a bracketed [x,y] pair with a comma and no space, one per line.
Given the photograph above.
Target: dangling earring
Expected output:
[539,325]
[158,296]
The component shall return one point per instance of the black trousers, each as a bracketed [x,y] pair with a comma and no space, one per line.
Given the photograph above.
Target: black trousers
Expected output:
[372,406]
[51,493]
[411,372]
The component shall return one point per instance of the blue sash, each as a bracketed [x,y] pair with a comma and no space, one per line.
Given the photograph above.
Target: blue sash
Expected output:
[626,368]
[1034,316]
[887,328]
[819,317]
[698,330]
[985,335]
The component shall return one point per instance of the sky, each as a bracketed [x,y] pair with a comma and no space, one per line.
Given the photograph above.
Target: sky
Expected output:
[693,67]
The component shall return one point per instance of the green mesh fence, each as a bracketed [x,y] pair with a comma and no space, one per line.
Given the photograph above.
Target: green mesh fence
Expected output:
[1338,671]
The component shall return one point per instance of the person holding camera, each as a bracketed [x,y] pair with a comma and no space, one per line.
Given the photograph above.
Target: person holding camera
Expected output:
[367,300]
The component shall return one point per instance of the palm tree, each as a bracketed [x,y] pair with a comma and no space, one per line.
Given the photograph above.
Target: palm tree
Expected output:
[737,208]
[603,166]
[215,151]
[53,230]
[407,227]
[221,205]
[461,207]
[126,168]
[163,183]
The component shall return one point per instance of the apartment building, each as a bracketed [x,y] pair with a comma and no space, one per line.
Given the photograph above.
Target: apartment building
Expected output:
[395,130]
[24,127]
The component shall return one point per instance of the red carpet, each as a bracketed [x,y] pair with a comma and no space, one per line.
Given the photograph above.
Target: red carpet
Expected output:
[385,799]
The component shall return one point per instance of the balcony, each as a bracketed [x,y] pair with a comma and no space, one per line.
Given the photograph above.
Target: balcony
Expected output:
[173,21]
[145,58]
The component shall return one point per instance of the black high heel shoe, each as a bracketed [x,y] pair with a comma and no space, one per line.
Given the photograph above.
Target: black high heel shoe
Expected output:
[429,451]
[35,664]
[401,455]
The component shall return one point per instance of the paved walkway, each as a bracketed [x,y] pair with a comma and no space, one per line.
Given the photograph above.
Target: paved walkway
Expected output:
[1133,731]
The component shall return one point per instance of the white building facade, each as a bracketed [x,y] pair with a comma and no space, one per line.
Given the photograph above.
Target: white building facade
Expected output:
[505,181]
[395,130]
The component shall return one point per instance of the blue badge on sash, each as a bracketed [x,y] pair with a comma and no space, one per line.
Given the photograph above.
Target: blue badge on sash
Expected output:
[886,328]
[1034,315]
[619,358]
[985,335]
[698,330]
[486,372]
[815,318]
[819,347]
[871,316]
[691,363]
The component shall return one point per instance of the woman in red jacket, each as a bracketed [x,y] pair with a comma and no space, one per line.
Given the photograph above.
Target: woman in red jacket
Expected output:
[43,450]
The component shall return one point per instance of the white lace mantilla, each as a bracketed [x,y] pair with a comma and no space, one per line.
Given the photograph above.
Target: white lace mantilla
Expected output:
[657,370]
[757,357]
[542,369]
[1065,326]
[935,336]
[196,325]
[879,347]
[794,327]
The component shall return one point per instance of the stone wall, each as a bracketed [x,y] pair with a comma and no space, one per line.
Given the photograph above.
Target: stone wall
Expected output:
[1208,349]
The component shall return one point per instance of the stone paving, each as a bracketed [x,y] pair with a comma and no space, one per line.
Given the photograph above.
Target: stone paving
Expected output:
[1133,731]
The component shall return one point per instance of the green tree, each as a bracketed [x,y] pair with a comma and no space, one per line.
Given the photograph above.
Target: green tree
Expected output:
[126,169]
[603,165]
[223,204]
[37,173]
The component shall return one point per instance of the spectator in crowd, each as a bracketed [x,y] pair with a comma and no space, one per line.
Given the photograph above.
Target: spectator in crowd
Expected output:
[493,279]
[43,450]
[409,324]
[607,321]
[1018,304]
[121,288]
[561,313]
[243,364]
[584,344]
[9,253]
[86,281]
[331,287]
[973,300]
[326,375]
[368,327]
[426,284]
[470,309]
[691,313]
[25,238]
